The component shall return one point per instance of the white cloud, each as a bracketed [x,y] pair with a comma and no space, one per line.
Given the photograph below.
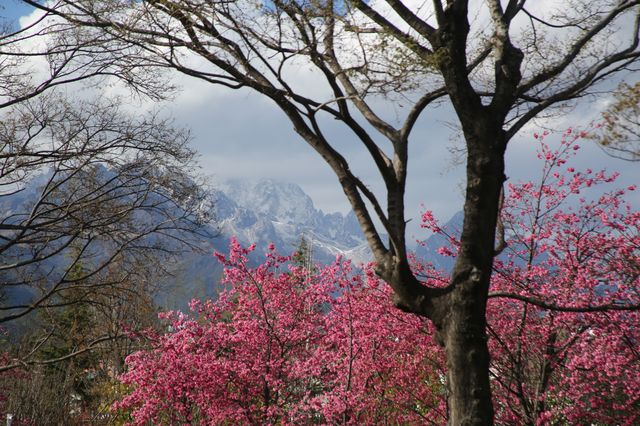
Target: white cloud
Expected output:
[240,133]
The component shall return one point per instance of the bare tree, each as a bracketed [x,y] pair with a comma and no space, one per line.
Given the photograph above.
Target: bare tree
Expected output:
[499,63]
[48,53]
[84,186]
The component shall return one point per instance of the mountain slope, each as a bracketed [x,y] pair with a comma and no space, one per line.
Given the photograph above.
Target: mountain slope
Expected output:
[263,212]
[269,211]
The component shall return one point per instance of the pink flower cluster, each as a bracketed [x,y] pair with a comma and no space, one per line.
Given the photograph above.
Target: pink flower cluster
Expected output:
[574,245]
[286,345]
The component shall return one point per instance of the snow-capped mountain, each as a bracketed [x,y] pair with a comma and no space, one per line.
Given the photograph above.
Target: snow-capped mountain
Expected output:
[269,211]
[262,212]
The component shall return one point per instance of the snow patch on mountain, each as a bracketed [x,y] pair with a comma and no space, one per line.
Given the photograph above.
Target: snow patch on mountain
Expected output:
[269,211]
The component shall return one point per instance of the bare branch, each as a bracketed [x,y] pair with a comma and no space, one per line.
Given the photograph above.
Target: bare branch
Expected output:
[541,303]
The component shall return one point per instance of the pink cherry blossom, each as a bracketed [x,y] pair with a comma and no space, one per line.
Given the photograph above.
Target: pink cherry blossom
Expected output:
[288,345]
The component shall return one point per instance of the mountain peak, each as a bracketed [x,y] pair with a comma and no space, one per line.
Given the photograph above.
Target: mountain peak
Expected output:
[275,200]
[262,211]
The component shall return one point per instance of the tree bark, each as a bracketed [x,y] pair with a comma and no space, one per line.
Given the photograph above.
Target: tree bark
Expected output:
[467,355]
[463,326]
[458,311]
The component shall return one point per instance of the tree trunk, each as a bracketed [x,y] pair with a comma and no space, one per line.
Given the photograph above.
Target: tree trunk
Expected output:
[459,310]
[462,328]
[465,342]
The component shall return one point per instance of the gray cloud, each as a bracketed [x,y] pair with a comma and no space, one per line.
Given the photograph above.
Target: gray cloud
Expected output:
[242,134]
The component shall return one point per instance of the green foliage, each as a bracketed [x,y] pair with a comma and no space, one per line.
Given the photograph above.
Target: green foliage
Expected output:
[303,254]
[621,130]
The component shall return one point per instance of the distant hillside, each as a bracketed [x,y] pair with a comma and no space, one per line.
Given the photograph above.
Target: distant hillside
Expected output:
[262,212]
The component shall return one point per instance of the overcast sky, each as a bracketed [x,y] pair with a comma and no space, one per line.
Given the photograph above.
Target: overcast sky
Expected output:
[241,134]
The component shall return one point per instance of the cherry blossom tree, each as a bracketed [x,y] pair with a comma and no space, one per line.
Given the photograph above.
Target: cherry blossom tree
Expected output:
[563,343]
[289,345]
[283,346]
[564,293]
